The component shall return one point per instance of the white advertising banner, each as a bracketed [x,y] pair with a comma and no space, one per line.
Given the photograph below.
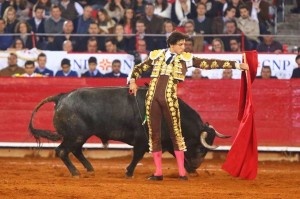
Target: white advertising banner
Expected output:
[282,65]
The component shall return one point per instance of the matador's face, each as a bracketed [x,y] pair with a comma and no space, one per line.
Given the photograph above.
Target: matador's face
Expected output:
[178,48]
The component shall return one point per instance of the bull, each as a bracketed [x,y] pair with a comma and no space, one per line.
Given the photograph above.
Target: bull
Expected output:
[111,113]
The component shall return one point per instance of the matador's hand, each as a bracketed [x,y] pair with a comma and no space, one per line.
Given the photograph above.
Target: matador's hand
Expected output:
[133,87]
[244,66]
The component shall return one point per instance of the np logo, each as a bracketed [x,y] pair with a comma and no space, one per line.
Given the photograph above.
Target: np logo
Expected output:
[105,64]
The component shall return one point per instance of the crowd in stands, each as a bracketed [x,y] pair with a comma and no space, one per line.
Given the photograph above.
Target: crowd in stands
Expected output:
[136,26]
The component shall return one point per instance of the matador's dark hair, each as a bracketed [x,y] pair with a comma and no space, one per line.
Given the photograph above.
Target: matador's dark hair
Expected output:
[175,37]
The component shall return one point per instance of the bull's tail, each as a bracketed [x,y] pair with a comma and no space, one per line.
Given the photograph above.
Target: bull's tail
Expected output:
[38,133]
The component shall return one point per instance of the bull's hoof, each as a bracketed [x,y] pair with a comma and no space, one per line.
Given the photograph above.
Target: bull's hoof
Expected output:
[76,176]
[128,174]
[91,173]
[193,174]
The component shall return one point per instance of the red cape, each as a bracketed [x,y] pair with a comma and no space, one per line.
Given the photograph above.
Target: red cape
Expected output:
[242,158]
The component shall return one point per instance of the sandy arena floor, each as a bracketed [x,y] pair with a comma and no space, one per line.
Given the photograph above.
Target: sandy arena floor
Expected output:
[49,178]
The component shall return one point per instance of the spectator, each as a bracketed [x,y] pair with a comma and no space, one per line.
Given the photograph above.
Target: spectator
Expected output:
[259,10]
[3,5]
[248,26]
[162,8]
[22,8]
[66,69]
[29,70]
[5,40]
[12,67]
[231,29]
[68,29]
[70,9]
[266,73]
[235,45]
[218,25]
[10,18]
[93,31]
[141,48]
[54,24]
[93,71]
[111,45]
[296,9]
[296,71]
[140,34]
[269,45]
[202,23]
[92,45]
[217,45]
[128,21]
[116,70]
[46,4]
[227,74]
[24,30]
[17,45]
[121,41]
[189,45]
[41,66]
[234,3]
[189,28]
[67,46]
[115,9]
[211,8]
[183,10]
[37,24]
[168,27]
[82,23]
[153,23]
[106,24]
[196,74]
[139,8]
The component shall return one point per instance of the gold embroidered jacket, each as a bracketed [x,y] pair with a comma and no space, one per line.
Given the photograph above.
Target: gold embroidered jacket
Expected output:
[178,67]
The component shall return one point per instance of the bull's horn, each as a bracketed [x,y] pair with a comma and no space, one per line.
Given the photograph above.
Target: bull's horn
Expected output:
[203,141]
[219,134]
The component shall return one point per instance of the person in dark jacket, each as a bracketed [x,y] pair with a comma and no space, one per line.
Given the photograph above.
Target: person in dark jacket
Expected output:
[93,71]
[66,69]
[116,70]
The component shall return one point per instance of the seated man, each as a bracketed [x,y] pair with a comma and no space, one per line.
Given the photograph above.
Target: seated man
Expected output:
[29,70]
[12,67]
[266,73]
[227,74]
[116,70]
[66,69]
[41,69]
[296,71]
[196,74]
[93,71]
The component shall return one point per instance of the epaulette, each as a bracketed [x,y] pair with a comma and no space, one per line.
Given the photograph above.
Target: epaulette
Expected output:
[155,54]
[186,56]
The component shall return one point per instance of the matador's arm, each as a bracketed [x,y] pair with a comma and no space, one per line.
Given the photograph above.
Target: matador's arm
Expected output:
[204,63]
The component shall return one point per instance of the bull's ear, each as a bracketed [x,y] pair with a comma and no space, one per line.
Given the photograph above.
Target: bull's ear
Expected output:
[146,84]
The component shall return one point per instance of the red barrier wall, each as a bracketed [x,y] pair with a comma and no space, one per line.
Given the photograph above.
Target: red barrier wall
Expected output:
[277,105]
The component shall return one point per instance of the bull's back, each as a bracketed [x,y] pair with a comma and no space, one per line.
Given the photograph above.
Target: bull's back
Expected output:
[100,110]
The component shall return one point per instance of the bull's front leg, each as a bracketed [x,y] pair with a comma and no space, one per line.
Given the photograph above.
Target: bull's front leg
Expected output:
[138,153]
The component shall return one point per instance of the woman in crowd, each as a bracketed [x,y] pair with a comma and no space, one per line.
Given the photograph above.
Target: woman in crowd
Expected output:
[105,23]
[24,30]
[115,9]
[217,45]
[162,8]
[46,4]
[10,18]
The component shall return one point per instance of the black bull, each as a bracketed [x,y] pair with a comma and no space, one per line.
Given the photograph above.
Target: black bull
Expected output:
[112,114]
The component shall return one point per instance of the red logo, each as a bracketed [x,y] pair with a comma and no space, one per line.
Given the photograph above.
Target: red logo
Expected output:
[105,64]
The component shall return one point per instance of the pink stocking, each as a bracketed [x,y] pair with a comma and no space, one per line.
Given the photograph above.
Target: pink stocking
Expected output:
[180,162]
[157,161]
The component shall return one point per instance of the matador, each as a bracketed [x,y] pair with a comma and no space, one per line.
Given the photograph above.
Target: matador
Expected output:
[169,67]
